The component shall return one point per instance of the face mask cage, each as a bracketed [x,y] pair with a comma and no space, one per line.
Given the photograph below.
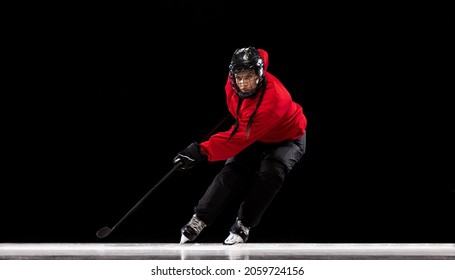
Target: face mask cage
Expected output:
[245,59]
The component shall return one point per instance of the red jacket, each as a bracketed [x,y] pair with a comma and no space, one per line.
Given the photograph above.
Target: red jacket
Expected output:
[278,118]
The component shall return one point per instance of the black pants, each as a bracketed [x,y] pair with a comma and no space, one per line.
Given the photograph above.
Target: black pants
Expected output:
[257,174]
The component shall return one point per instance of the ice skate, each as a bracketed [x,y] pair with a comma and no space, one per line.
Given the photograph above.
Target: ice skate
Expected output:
[192,229]
[237,234]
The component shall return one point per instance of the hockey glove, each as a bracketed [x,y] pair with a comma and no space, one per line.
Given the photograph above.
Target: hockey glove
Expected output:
[189,157]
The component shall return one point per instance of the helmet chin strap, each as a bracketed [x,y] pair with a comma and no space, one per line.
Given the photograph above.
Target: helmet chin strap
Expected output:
[249,94]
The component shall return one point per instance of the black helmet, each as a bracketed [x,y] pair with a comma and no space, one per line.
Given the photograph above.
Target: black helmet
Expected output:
[245,59]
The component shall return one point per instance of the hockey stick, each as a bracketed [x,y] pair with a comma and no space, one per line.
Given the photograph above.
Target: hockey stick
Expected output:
[105,231]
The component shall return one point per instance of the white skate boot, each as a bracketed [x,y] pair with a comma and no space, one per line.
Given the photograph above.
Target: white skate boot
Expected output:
[237,234]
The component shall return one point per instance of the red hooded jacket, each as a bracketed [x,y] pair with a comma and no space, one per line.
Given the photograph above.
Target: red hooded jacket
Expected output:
[278,118]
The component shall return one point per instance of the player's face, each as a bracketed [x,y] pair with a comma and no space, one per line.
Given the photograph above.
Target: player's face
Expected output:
[246,80]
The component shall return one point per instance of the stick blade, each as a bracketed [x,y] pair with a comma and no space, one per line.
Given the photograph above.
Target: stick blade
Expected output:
[103,232]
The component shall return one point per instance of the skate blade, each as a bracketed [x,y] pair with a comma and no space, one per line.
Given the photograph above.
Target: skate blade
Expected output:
[183,239]
[233,239]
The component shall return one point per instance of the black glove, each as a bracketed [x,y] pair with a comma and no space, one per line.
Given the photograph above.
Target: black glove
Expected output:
[189,157]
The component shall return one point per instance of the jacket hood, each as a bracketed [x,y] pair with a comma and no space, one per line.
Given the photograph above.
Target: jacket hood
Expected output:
[265,58]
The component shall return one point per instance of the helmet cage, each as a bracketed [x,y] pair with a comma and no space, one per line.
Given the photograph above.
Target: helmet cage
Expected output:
[246,59]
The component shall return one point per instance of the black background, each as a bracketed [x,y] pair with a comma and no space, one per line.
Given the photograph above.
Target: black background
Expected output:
[96,102]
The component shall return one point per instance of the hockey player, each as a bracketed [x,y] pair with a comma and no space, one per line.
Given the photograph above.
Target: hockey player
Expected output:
[260,149]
